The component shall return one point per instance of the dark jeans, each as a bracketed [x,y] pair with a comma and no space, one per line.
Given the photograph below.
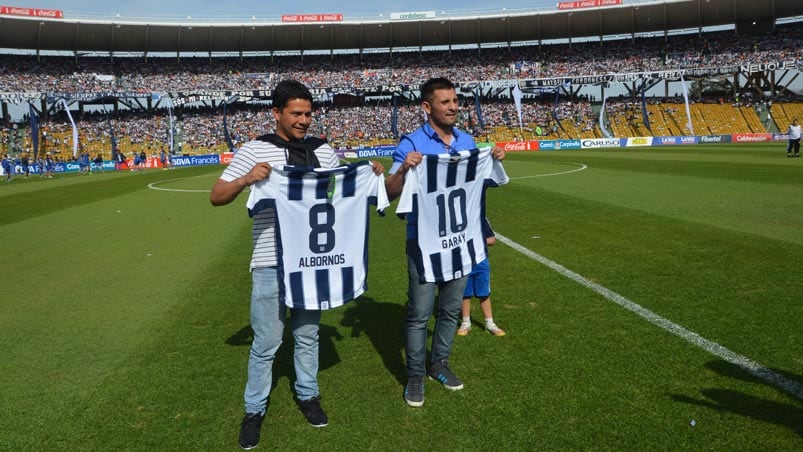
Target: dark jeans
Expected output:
[420,304]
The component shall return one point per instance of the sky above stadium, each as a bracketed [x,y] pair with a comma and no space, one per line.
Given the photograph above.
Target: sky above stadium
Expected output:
[246,9]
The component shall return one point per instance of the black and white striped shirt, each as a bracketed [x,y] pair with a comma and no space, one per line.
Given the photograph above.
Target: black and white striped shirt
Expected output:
[322,230]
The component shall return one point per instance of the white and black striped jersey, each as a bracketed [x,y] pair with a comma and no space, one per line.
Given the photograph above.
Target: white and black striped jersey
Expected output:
[322,224]
[263,232]
[444,192]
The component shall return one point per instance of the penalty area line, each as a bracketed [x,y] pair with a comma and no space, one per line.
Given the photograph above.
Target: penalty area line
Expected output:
[779,381]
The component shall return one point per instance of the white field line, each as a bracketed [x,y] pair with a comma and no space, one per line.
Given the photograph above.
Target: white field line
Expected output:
[153,186]
[790,386]
[581,168]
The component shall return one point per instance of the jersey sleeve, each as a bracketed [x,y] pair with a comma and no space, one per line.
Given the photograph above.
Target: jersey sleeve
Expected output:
[264,192]
[405,205]
[496,174]
[382,201]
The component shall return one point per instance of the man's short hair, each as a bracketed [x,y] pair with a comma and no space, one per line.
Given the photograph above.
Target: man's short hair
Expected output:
[287,90]
[430,86]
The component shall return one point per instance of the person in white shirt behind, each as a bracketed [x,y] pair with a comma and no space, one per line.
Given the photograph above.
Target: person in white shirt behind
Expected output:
[794,139]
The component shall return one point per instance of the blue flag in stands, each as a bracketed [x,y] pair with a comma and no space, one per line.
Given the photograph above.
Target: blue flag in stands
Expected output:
[394,118]
[34,131]
[644,115]
[226,130]
[114,140]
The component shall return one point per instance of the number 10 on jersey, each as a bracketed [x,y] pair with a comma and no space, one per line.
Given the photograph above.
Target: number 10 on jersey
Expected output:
[455,204]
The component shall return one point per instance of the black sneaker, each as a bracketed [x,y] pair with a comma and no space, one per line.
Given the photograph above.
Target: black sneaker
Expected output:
[440,372]
[249,431]
[313,412]
[414,392]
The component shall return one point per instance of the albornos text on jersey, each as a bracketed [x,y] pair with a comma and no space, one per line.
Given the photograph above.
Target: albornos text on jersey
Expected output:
[322,261]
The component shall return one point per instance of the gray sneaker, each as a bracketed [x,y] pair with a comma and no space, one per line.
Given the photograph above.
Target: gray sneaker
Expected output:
[414,392]
[439,371]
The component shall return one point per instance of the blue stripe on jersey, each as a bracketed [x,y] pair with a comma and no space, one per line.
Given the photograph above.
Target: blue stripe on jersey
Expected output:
[295,187]
[472,252]
[296,286]
[322,286]
[457,263]
[471,165]
[347,276]
[437,268]
[451,173]
[432,174]
[321,185]
[349,185]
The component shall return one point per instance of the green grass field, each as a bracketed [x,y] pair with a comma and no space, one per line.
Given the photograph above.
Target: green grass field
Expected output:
[125,315]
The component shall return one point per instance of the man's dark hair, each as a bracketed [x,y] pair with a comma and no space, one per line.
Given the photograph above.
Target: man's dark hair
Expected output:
[429,87]
[288,90]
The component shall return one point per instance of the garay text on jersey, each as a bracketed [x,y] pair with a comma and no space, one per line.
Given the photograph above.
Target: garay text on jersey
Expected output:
[453,241]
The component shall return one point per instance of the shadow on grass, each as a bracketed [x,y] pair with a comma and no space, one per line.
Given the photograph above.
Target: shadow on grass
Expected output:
[283,362]
[788,415]
[383,323]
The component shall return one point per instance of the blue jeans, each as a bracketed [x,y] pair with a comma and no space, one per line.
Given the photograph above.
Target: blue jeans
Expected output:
[267,321]
[420,304]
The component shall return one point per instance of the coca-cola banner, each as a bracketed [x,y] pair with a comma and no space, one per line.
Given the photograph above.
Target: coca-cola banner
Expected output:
[31,12]
[312,18]
[588,4]
[513,146]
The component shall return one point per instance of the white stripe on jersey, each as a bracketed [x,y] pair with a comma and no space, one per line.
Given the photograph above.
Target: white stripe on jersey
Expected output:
[263,234]
[444,192]
[322,223]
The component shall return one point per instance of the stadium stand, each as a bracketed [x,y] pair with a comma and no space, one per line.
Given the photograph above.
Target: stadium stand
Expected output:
[362,121]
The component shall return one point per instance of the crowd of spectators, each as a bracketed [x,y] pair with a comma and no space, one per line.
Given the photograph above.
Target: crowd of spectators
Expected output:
[196,128]
[366,121]
[350,71]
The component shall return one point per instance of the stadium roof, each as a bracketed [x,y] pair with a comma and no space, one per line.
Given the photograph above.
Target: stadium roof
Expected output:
[153,36]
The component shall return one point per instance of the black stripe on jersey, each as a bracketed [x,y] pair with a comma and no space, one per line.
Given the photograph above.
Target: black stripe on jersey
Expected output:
[437,268]
[451,173]
[296,288]
[321,185]
[295,187]
[457,263]
[472,252]
[350,183]
[432,173]
[471,165]
[347,277]
[322,285]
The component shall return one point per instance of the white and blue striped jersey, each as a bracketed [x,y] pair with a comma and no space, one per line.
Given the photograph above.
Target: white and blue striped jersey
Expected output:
[444,191]
[263,233]
[321,226]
